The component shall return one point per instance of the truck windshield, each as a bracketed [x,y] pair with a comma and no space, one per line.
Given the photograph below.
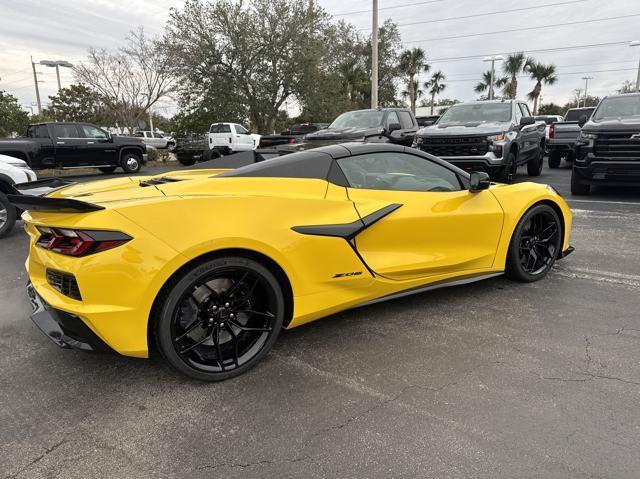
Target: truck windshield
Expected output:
[574,115]
[618,107]
[479,113]
[358,119]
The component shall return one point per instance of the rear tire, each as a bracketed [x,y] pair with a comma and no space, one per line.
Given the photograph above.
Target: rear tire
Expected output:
[578,188]
[131,163]
[187,160]
[107,170]
[554,159]
[8,215]
[220,318]
[534,165]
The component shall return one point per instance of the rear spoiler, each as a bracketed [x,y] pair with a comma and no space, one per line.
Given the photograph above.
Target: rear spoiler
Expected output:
[41,187]
[56,205]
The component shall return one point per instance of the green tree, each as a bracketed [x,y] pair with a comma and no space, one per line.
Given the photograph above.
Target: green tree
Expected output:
[412,63]
[485,84]
[541,74]
[551,109]
[627,87]
[514,64]
[435,86]
[13,119]
[80,103]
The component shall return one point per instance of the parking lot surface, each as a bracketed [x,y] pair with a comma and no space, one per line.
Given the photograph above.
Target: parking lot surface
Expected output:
[492,379]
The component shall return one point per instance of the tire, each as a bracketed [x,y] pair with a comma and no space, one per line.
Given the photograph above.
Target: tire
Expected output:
[508,172]
[219,318]
[131,163]
[107,169]
[534,165]
[578,188]
[535,244]
[8,215]
[187,160]
[555,157]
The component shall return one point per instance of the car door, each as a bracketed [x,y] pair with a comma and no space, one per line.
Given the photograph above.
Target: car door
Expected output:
[440,226]
[242,138]
[159,140]
[69,144]
[45,156]
[99,149]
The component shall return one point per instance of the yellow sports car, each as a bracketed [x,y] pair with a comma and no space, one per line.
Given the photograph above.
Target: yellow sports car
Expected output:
[210,265]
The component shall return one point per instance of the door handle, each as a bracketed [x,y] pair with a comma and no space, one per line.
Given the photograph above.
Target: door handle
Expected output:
[59,142]
[91,142]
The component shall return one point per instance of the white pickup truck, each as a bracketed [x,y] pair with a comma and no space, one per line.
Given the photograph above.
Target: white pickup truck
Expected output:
[227,138]
[12,171]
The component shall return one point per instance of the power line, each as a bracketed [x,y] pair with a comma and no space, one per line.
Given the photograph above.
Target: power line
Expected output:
[386,8]
[540,27]
[479,76]
[422,22]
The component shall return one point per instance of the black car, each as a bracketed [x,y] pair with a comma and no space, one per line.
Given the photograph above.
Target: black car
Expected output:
[76,145]
[608,146]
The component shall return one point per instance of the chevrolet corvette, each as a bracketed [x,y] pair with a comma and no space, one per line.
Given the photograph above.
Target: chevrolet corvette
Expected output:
[207,266]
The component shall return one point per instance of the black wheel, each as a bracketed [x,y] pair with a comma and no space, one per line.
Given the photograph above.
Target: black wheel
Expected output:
[7,215]
[220,318]
[186,160]
[508,172]
[555,157]
[107,169]
[578,188]
[534,165]
[535,244]
[131,163]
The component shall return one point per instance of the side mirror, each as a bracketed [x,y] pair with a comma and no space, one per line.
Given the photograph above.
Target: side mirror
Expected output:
[582,120]
[527,120]
[479,181]
[393,127]
[109,137]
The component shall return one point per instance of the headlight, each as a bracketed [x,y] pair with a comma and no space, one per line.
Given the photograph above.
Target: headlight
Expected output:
[498,137]
[587,136]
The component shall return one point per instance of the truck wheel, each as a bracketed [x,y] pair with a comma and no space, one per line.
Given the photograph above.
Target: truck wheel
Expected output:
[107,170]
[7,215]
[508,172]
[554,159]
[187,160]
[578,188]
[534,165]
[131,163]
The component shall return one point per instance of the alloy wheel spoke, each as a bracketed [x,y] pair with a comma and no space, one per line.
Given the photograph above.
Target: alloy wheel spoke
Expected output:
[206,336]
[235,286]
[234,336]
[189,329]
[259,313]
[216,341]
[245,328]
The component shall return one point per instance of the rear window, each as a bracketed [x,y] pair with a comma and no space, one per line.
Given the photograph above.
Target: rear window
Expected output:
[220,128]
[62,130]
[574,115]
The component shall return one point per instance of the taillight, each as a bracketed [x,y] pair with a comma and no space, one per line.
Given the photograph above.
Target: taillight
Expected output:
[292,141]
[77,243]
[552,131]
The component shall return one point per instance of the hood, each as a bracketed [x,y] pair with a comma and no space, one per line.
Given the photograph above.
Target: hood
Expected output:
[127,140]
[343,133]
[10,160]
[614,124]
[464,129]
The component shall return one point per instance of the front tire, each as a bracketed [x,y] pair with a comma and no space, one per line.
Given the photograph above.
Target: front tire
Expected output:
[220,318]
[508,172]
[535,244]
[534,165]
[578,188]
[555,157]
[131,163]
[8,216]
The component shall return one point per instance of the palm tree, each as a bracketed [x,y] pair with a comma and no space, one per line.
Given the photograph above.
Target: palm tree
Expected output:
[416,91]
[484,85]
[514,64]
[435,86]
[412,63]
[541,74]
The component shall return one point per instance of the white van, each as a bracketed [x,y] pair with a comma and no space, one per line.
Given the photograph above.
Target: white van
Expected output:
[230,137]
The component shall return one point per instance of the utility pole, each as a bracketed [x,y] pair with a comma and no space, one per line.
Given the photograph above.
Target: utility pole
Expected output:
[35,81]
[493,60]
[374,57]
[636,43]
[586,84]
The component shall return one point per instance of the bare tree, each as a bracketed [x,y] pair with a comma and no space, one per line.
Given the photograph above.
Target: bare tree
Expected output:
[131,80]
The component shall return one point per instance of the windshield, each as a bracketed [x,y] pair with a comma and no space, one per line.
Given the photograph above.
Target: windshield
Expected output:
[574,115]
[618,107]
[477,113]
[358,119]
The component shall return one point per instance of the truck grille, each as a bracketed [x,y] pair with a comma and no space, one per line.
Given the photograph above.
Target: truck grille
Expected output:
[455,146]
[617,145]
[64,283]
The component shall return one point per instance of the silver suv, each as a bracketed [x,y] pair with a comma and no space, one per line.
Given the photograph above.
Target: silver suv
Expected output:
[495,136]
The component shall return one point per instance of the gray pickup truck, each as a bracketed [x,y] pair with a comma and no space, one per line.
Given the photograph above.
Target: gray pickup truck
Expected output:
[495,136]
[563,136]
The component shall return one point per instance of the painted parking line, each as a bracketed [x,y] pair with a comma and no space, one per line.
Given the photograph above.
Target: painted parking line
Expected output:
[604,202]
[632,280]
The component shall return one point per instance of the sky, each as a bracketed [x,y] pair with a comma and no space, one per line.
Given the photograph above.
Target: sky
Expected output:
[545,29]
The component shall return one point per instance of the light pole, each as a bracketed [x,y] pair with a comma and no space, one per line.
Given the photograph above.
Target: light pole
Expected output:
[636,43]
[586,84]
[374,57]
[57,64]
[493,60]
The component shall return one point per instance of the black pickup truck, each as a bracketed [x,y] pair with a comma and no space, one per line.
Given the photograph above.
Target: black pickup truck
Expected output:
[608,145]
[291,136]
[76,145]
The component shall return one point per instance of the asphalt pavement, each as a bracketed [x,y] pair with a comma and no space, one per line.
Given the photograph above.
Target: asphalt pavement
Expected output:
[494,379]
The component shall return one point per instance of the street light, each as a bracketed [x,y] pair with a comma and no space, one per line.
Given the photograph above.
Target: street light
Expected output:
[636,43]
[56,64]
[586,83]
[493,60]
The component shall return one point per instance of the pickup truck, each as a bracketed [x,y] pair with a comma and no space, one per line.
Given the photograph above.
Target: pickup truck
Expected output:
[608,146]
[12,171]
[495,136]
[227,138]
[563,136]
[76,145]
[157,140]
[382,125]
[291,136]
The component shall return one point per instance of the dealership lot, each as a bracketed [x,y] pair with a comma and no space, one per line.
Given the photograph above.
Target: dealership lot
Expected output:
[493,379]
